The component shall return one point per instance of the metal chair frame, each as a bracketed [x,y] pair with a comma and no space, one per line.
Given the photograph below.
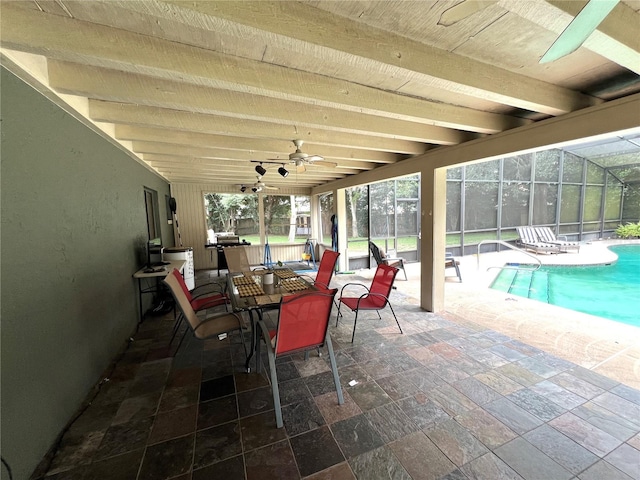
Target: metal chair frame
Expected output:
[386,270]
[319,331]
[202,328]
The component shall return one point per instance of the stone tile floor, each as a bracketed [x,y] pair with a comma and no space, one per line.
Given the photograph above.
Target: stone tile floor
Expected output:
[441,401]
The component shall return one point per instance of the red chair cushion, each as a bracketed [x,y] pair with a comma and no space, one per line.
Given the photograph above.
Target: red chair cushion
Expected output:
[182,283]
[367,303]
[327,264]
[211,301]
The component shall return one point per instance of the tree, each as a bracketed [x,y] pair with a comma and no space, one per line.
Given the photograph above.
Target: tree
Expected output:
[292,220]
[224,210]
[353,195]
[326,212]
[276,207]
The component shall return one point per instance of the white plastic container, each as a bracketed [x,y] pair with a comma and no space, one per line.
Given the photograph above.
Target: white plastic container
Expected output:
[186,254]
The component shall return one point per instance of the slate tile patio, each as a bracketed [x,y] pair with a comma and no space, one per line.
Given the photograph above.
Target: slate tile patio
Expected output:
[443,401]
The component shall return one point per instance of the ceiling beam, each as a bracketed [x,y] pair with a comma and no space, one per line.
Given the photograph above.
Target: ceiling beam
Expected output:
[257,146]
[291,180]
[145,116]
[616,38]
[77,41]
[234,156]
[306,29]
[171,163]
[107,84]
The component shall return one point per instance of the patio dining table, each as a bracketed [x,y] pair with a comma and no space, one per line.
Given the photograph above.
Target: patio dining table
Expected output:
[259,290]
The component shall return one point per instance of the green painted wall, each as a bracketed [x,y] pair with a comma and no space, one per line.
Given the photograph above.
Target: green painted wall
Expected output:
[73,224]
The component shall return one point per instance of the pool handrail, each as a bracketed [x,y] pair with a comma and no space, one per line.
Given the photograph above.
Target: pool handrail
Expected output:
[508,267]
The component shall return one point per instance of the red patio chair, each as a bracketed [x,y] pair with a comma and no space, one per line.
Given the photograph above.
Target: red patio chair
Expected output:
[326,268]
[303,323]
[375,298]
[199,302]
[202,328]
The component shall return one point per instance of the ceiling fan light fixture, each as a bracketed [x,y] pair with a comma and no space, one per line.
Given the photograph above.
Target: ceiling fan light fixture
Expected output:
[282,171]
[260,169]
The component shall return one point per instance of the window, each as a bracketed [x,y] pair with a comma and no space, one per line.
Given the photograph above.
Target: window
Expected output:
[153,217]
[515,204]
[517,168]
[327,210]
[592,203]
[482,205]
[547,166]
[287,219]
[570,207]
[572,169]
[357,203]
[613,199]
[234,213]
[545,200]
[394,210]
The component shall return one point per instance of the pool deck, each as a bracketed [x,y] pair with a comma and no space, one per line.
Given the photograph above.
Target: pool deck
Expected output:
[604,346]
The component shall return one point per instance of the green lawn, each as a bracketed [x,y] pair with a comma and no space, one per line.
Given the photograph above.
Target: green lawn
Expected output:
[273,239]
[361,245]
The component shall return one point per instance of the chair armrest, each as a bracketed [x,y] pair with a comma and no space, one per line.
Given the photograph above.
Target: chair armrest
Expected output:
[313,281]
[214,317]
[369,294]
[353,283]
[265,333]
[217,288]
[214,302]
[393,259]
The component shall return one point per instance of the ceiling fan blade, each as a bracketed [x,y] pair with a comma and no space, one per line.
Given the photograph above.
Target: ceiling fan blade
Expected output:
[313,158]
[325,164]
[462,10]
[579,29]
[300,168]
[270,188]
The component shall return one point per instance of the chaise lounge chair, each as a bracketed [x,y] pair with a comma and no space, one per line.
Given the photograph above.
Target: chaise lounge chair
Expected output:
[546,235]
[382,259]
[450,262]
[529,241]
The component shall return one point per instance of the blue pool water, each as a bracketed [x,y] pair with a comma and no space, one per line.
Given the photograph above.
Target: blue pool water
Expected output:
[609,291]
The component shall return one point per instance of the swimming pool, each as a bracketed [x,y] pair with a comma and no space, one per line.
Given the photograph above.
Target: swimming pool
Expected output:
[609,291]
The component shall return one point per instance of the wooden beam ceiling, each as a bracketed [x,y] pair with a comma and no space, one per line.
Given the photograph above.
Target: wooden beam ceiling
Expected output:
[196,90]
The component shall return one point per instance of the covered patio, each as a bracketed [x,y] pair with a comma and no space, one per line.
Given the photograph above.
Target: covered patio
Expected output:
[113,111]
[470,392]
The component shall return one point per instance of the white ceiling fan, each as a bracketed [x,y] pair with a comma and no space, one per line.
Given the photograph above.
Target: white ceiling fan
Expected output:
[573,36]
[302,160]
[260,185]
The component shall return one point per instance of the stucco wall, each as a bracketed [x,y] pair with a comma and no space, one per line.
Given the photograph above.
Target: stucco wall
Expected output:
[73,222]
